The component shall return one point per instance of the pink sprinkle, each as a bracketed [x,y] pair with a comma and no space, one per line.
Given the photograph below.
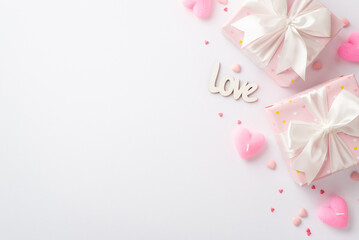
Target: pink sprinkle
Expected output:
[354,176]
[345,22]
[302,212]
[280,190]
[225,9]
[321,191]
[296,221]
[271,164]
[272,209]
[239,122]
[220,114]
[236,68]
[317,65]
[206,42]
[224,2]
[313,187]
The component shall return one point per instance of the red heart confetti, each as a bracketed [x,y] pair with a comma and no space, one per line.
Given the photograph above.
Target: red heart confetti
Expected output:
[220,114]
[313,187]
[206,42]
[280,190]
[272,209]
[225,9]
[321,191]
[239,122]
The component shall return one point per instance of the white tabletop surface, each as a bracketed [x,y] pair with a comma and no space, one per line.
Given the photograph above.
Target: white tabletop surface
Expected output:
[108,130]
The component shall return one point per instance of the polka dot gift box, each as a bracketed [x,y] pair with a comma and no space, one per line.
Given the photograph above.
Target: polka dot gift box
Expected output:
[283,37]
[318,130]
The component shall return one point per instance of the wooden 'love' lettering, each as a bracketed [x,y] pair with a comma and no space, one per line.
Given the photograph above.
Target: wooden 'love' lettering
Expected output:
[229,85]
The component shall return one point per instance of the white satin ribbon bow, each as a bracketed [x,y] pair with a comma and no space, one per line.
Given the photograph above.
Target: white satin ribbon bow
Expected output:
[270,24]
[314,142]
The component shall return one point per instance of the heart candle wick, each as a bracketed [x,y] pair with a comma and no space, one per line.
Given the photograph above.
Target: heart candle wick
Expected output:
[339,214]
[247,147]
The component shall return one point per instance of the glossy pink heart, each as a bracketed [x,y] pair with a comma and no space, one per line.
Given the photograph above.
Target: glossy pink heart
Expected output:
[200,8]
[247,143]
[336,214]
[350,50]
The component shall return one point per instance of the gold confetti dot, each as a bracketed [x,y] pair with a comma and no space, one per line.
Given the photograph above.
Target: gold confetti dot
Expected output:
[290,101]
[277,112]
[240,41]
[297,171]
[342,87]
[283,121]
[292,80]
[355,148]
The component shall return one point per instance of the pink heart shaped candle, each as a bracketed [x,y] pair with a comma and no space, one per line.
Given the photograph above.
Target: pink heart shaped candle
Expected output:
[350,50]
[247,143]
[200,8]
[336,214]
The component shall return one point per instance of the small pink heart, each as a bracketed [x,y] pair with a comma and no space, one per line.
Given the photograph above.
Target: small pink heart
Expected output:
[200,8]
[336,214]
[350,50]
[354,176]
[248,144]
[271,164]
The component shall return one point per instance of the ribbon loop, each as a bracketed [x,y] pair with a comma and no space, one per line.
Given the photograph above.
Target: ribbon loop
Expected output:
[270,24]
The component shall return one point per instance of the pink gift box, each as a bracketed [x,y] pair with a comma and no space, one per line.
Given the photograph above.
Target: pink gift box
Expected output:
[286,78]
[293,108]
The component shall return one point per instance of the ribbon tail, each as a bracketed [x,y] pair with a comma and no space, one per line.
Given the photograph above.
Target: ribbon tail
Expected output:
[294,53]
[340,155]
[311,160]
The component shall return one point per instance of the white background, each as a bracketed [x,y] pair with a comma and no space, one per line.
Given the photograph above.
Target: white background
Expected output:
[108,131]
